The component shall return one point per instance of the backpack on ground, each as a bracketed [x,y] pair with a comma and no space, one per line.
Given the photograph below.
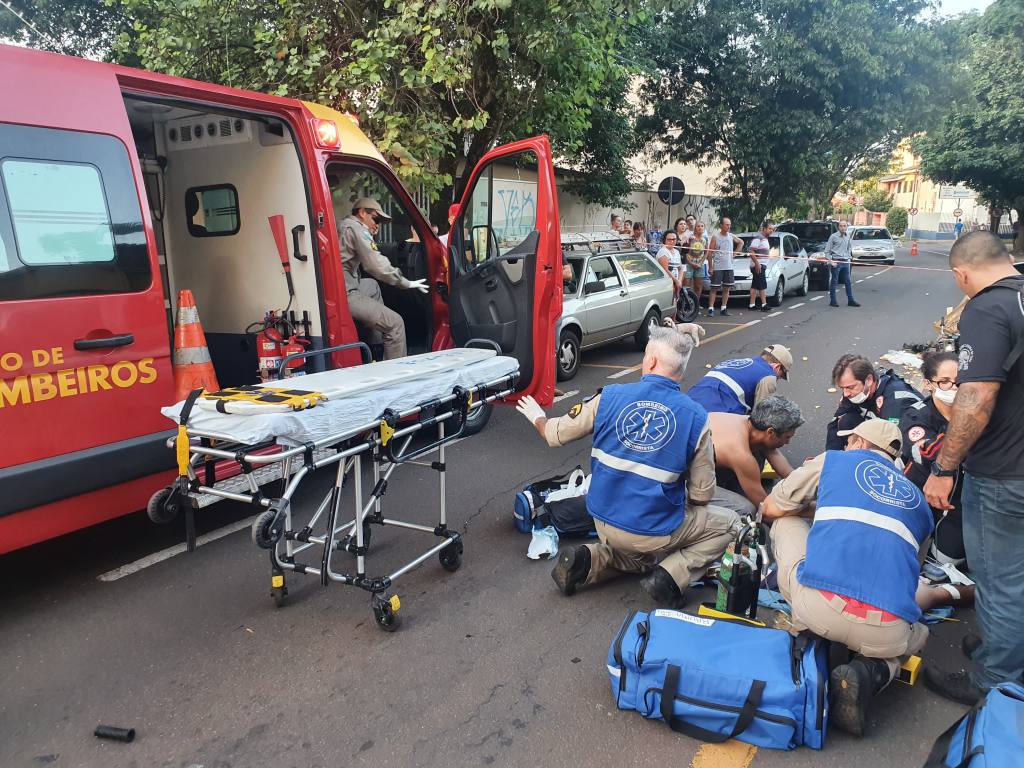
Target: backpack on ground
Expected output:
[991,735]
[714,679]
[559,501]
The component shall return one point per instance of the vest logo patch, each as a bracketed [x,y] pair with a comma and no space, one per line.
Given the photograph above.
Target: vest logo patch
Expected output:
[742,362]
[645,425]
[886,485]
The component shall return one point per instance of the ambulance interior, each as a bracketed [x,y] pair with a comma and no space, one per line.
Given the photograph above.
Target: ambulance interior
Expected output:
[213,182]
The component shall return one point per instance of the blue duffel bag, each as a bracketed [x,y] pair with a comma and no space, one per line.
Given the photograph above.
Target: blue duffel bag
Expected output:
[991,735]
[715,680]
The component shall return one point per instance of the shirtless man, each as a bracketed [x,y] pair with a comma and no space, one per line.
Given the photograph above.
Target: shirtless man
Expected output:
[744,443]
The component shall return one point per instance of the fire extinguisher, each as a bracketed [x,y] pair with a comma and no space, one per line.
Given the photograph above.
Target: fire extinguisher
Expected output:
[276,340]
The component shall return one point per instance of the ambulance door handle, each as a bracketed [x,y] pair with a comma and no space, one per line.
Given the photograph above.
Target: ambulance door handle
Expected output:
[109,341]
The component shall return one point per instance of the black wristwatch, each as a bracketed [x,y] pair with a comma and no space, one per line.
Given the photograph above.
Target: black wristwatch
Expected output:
[940,472]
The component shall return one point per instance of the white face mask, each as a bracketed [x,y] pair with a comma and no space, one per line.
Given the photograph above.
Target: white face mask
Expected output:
[859,398]
[946,396]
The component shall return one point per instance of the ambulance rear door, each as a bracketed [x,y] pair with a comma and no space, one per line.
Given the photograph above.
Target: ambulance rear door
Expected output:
[505,261]
[84,359]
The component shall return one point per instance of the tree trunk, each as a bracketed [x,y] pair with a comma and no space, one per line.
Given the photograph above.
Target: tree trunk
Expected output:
[1018,242]
[993,220]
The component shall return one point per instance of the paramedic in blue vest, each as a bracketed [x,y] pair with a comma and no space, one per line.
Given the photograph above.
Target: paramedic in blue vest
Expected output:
[866,395]
[735,386]
[653,474]
[851,575]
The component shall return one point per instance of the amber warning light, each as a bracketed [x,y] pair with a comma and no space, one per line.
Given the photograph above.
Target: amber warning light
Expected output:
[326,133]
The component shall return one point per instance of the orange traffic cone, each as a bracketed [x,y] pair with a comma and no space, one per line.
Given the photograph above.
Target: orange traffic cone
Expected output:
[193,367]
[913,248]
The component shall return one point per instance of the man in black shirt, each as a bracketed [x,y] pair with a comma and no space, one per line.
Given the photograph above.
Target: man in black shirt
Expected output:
[987,429]
[866,395]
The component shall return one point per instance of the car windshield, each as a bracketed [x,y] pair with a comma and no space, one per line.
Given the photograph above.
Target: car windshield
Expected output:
[808,233]
[871,234]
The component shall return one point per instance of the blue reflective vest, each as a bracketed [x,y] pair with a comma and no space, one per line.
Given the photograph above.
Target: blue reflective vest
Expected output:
[729,387]
[869,525]
[645,435]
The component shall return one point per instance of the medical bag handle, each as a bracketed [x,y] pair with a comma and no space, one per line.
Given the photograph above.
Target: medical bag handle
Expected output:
[677,724]
[367,355]
[940,749]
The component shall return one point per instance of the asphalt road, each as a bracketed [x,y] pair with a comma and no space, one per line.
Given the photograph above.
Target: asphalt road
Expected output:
[492,664]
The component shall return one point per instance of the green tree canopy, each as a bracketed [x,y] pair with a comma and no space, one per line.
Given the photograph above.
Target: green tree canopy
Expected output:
[981,141]
[788,97]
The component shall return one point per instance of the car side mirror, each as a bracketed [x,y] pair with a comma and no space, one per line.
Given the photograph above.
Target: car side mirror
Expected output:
[594,286]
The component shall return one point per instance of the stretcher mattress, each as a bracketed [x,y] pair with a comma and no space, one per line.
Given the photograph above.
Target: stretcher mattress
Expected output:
[349,408]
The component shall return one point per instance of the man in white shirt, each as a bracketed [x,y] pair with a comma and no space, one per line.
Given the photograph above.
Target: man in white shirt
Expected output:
[723,244]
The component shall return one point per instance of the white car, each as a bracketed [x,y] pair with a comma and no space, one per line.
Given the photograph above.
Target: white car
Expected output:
[872,244]
[616,290]
[787,267]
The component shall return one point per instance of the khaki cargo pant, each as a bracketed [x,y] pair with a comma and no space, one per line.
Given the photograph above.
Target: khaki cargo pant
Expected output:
[892,641]
[685,553]
[367,308]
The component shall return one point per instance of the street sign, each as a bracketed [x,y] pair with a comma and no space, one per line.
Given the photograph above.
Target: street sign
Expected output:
[912,211]
[954,192]
[671,190]
[958,212]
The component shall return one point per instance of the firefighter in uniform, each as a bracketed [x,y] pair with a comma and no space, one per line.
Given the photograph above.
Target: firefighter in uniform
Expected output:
[851,577]
[866,395]
[735,386]
[653,474]
[359,255]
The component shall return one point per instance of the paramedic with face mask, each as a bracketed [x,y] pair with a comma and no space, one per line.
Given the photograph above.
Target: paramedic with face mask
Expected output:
[866,395]
[359,257]
[653,476]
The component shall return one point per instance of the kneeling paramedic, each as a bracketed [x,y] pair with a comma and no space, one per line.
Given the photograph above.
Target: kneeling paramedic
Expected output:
[851,577]
[653,474]
[734,386]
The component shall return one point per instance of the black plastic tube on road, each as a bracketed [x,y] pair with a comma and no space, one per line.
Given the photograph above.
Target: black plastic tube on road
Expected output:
[115,733]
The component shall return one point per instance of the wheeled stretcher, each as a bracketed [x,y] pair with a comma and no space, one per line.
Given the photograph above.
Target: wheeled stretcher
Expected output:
[371,412]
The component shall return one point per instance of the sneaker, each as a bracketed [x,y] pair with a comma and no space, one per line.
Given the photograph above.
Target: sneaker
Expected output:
[572,568]
[851,689]
[766,308]
[751,307]
[833,303]
[724,312]
[957,686]
[852,304]
[662,588]
[711,312]
[970,643]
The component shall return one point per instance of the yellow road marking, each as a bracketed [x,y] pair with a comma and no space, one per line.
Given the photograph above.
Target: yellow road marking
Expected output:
[731,754]
[731,330]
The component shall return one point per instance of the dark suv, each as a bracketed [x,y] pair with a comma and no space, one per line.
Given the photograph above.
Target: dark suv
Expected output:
[812,236]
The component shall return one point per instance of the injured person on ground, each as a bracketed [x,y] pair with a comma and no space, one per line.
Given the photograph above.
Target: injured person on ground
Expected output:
[742,446]
[653,477]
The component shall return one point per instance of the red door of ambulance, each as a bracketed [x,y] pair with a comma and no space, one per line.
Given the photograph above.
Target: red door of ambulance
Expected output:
[84,358]
[505,261]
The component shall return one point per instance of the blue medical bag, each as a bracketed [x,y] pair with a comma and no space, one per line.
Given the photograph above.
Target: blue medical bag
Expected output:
[714,679]
[991,735]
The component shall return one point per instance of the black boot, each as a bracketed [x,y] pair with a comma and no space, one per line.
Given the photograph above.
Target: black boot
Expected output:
[957,686]
[572,568]
[970,644]
[851,688]
[662,588]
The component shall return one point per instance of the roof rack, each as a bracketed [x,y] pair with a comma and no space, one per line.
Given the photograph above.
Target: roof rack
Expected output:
[594,242]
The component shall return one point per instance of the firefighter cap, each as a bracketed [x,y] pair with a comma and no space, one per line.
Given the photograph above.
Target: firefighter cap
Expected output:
[881,432]
[369,204]
[783,355]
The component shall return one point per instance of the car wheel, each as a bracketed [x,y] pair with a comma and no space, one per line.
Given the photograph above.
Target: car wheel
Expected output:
[651,321]
[805,284]
[568,355]
[780,290]
[890,262]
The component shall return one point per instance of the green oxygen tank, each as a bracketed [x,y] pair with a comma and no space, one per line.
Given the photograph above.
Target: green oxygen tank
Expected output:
[724,576]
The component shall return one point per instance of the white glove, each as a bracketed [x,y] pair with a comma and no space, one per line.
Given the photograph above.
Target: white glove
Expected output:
[418,285]
[529,408]
[692,330]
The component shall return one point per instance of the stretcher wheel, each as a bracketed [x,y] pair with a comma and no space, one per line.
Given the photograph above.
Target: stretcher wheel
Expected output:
[267,529]
[158,508]
[451,556]
[277,595]
[385,611]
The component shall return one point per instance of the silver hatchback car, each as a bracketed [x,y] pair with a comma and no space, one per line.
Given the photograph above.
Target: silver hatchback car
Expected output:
[616,290]
[872,244]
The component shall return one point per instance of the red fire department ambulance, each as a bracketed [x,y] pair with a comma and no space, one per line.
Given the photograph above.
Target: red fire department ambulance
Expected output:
[120,187]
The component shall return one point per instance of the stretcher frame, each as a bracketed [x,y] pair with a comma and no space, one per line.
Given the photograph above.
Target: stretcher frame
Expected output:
[274,528]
